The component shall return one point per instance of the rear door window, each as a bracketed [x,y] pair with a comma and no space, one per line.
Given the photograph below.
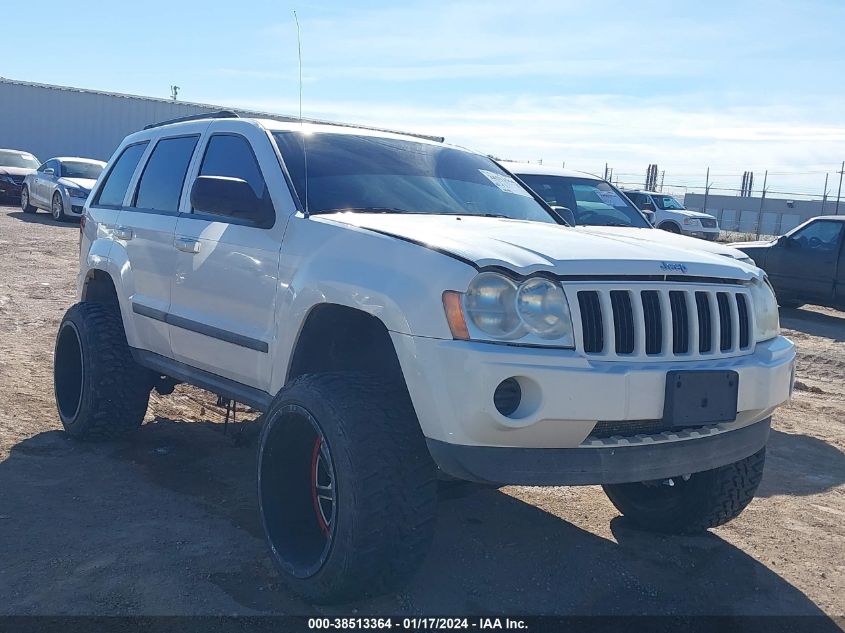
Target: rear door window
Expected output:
[113,190]
[160,187]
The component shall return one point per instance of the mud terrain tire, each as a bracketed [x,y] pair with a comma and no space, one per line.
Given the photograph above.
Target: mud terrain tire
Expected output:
[101,392]
[708,499]
[376,530]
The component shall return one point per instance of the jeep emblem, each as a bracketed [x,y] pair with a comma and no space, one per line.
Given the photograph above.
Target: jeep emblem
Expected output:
[669,267]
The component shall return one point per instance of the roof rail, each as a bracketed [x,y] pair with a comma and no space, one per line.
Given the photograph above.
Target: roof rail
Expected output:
[220,114]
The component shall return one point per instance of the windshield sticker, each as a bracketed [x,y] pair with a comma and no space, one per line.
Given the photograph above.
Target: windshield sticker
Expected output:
[611,198]
[505,183]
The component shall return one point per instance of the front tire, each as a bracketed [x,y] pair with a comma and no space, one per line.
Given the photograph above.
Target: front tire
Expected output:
[347,489]
[671,227]
[101,392]
[26,207]
[57,208]
[706,500]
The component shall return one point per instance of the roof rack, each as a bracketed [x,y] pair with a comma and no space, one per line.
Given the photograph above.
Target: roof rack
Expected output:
[220,114]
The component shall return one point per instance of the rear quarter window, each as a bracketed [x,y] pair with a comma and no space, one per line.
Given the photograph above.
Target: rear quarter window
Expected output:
[113,190]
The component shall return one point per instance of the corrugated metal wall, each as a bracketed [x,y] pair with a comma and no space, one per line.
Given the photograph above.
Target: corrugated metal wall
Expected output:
[52,122]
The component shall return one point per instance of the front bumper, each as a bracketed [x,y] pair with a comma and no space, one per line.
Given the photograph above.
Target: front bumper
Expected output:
[10,190]
[73,205]
[605,465]
[709,234]
[568,394]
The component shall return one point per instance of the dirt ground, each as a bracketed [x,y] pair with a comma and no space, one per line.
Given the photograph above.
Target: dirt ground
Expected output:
[167,523]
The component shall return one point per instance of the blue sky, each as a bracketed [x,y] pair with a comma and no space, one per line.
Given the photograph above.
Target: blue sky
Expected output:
[686,84]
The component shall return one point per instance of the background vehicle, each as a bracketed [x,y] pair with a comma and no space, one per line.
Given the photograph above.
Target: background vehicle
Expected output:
[396,305]
[670,215]
[14,167]
[807,265]
[60,185]
[595,203]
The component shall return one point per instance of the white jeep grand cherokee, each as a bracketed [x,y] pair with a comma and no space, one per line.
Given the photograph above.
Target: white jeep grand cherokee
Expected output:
[397,306]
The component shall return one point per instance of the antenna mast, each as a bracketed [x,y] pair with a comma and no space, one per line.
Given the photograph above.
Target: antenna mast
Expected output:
[301,123]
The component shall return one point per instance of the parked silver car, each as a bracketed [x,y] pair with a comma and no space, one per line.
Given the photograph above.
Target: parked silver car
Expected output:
[60,185]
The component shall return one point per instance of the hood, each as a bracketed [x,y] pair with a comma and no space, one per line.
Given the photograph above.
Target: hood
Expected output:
[757,244]
[527,247]
[688,213]
[656,236]
[16,171]
[82,183]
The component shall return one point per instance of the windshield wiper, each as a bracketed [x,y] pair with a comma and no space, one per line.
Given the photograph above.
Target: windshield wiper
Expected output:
[363,210]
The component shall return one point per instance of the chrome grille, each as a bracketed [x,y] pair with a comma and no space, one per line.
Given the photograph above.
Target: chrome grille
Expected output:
[648,322]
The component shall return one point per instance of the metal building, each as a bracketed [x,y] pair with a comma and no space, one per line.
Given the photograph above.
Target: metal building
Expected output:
[53,121]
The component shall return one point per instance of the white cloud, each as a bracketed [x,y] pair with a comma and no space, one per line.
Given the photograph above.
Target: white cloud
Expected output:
[588,130]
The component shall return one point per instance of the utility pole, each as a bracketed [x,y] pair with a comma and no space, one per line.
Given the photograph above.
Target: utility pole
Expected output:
[762,200]
[824,195]
[706,189]
[605,171]
[839,193]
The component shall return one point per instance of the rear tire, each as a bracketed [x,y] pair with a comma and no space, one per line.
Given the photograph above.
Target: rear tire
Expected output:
[26,207]
[101,392]
[375,529]
[708,499]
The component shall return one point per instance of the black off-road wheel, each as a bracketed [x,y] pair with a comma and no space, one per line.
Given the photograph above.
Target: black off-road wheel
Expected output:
[347,489]
[101,392]
[704,500]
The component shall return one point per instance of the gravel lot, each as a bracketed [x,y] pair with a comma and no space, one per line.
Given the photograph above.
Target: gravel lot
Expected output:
[166,523]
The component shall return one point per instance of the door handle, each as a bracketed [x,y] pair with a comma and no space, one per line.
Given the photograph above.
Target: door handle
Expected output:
[187,245]
[123,233]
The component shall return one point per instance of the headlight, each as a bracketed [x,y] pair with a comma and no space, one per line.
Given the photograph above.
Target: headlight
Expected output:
[766,320]
[691,221]
[495,308]
[76,192]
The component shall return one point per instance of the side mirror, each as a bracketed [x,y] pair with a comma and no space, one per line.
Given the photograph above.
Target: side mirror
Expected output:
[567,214]
[784,241]
[231,197]
[647,207]
[49,171]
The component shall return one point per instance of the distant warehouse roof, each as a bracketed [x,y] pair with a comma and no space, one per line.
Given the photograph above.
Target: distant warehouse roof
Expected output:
[48,120]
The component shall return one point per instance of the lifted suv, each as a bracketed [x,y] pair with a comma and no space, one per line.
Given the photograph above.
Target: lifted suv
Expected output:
[402,309]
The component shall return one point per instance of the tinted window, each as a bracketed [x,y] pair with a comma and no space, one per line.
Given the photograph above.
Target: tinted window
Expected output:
[592,202]
[114,188]
[73,169]
[231,156]
[819,236]
[367,173]
[161,183]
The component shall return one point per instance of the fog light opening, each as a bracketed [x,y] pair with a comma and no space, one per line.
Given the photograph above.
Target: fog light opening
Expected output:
[507,397]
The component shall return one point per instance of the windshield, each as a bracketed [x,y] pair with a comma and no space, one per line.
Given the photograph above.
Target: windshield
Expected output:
[592,202]
[81,170]
[374,174]
[16,159]
[666,202]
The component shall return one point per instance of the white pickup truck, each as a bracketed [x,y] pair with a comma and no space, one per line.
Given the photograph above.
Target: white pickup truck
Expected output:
[403,310]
